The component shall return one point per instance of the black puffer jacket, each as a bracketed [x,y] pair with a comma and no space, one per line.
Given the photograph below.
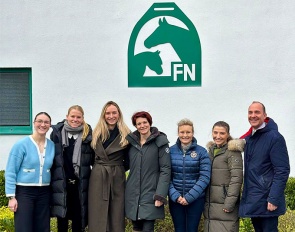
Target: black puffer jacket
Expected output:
[58,180]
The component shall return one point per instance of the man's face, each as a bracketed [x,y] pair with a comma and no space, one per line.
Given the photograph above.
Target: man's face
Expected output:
[256,115]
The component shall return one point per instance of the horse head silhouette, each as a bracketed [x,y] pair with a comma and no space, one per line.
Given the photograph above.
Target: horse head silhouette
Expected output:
[182,40]
[148,59]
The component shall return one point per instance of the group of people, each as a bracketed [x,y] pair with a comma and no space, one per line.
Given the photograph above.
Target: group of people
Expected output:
[80,175]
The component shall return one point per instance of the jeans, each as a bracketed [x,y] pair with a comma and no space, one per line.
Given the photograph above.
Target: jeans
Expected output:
[265,224]
[186,218]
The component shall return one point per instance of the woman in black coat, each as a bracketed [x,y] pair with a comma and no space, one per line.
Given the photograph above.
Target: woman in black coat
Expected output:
[149,177]
[71,170]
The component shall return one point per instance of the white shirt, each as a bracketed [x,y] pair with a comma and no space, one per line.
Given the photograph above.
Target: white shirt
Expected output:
[262,126]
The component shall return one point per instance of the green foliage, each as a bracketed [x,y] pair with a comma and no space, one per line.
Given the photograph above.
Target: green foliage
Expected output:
[246,225]
[290,193]
[163,225]
[53,225]
[286,222]
[3,198]
[6,220]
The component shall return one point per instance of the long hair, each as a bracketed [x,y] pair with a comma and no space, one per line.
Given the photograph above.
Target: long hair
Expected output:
[102,131]
[85,125]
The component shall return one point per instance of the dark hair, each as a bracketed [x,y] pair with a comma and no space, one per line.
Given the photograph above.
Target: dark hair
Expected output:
[40,113]
[141,114]
[224,125]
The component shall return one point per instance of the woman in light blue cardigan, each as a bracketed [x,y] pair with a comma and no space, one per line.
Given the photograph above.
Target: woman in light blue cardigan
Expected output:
[27,178]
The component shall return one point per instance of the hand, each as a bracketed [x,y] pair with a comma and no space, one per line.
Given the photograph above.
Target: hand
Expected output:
[225,210]
[271,207]
[182,201]
[158,203]
[12,204]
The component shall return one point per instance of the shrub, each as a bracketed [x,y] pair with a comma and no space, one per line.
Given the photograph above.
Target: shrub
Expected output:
[290,193]
[6,220]
[3,198]
[165,225]
[246,225]
[287,222]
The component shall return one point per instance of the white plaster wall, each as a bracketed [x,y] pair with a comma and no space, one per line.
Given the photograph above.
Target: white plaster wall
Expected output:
[78,54]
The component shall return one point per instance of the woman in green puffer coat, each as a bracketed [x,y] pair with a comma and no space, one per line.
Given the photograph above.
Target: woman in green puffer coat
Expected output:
[223,193]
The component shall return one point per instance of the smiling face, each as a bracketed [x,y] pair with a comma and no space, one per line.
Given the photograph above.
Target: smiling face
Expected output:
[185,134]
[143,126]
[111,116]
[220,135]
[256,115]
[42,124]
[75,118]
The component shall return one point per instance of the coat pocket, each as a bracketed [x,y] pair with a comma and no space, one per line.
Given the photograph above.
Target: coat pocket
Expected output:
[29,170]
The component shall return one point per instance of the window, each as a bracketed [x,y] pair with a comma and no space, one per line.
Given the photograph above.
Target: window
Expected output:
[15,100]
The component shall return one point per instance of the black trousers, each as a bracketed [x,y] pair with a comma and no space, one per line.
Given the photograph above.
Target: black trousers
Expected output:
[265,224]
[33,211]
[73,211]
[143,225]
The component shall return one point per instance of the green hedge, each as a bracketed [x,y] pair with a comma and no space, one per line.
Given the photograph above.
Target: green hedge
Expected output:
[286,222]
[290,193]
[3,198]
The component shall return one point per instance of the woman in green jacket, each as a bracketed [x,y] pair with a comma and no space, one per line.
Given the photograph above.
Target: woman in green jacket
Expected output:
[149,177]
[223,193]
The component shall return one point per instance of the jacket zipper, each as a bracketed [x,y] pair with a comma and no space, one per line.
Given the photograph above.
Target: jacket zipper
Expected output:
[183,174]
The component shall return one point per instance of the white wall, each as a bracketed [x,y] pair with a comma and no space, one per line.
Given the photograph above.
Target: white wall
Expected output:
[78,54]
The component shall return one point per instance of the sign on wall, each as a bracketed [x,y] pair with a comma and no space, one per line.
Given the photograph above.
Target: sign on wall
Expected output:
[164,49]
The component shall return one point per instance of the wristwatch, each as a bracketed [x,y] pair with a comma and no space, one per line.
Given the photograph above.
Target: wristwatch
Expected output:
[11,197]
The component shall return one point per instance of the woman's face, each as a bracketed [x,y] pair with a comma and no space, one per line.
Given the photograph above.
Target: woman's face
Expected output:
[220,135]
[75,118]
[42,124]
[185,134]
[143,126]
[111,116]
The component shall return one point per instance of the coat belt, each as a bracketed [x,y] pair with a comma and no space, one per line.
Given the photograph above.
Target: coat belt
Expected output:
[107,176]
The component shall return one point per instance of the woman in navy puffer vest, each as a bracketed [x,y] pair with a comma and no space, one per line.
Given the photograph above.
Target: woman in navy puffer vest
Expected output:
[191,170]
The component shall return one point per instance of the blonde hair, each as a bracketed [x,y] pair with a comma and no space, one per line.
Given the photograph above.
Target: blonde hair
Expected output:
[102,131]
[85,125]
[185,122]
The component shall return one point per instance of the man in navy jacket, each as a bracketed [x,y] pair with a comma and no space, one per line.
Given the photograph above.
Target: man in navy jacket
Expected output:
[267,170]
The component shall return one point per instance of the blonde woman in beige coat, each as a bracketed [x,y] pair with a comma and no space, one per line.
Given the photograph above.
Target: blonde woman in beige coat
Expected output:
[223,193]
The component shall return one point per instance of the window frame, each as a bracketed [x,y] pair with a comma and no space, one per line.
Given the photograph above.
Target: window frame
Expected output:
[19,130]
